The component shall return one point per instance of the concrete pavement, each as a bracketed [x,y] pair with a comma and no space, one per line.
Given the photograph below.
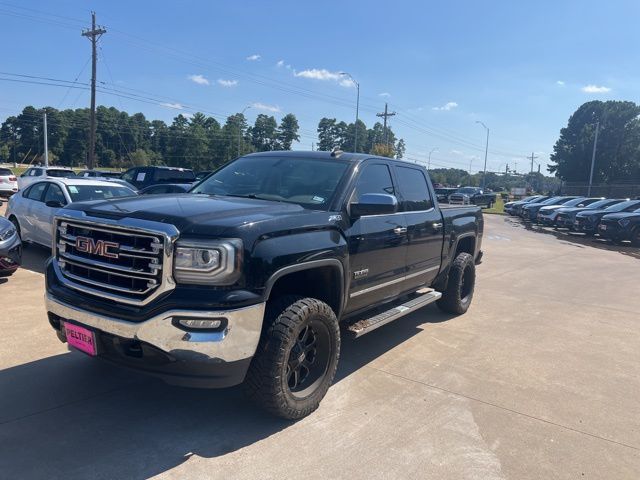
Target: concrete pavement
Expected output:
[538,380]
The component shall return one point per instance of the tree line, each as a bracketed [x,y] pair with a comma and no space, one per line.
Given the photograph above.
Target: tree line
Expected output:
[199,141]
[617,157]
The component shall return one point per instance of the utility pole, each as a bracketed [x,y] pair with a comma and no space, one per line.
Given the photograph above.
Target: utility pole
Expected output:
[355,140]
[506,170]
[486,152]
[532,158]
[93,35]
[46,145]
[385,115]
[429,164]
[240,126]
[593,158]
[312,145]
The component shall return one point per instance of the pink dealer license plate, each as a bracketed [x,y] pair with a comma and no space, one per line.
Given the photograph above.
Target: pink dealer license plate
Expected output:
[81,338]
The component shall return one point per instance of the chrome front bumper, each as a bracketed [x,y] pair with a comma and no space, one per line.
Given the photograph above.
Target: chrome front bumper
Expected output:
[237,342]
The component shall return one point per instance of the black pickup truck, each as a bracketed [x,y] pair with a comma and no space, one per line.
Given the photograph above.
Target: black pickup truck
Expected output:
[247,278]
[472,195]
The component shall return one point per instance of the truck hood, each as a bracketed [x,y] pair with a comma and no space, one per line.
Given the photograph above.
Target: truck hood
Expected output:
[205,214]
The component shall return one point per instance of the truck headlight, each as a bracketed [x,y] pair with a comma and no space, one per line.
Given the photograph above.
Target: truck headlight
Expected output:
[624,222]
[207,262]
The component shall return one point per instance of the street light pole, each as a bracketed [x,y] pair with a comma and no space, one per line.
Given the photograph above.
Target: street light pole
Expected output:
[355,140]
[486,151]
[429,163]
[240,127]
[593,158]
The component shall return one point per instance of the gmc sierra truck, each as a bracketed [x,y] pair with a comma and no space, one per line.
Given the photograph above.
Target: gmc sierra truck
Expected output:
[249,276]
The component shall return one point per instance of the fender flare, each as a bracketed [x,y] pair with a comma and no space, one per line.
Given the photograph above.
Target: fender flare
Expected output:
[310,265]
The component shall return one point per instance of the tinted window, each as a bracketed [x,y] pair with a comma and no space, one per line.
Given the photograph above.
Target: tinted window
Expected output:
[129,175]
[177,176]
[35,192]
[375,179]
[309,182]
[627,206]
[83,193]
[60,173]
[54,194]
[5,171]
[36,172]
[604,203]
[468,190]
[413,188]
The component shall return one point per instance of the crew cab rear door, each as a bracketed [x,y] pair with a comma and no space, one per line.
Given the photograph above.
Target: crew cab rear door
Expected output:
[377,243]
[424,226]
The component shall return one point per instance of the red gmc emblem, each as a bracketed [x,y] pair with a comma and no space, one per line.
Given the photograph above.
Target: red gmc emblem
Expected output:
[100,247]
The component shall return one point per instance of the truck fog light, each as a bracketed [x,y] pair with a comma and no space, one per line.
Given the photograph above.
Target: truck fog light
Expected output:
[200,323]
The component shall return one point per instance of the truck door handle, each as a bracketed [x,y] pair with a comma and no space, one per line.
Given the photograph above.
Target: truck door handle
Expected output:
[400,230]
[437,226]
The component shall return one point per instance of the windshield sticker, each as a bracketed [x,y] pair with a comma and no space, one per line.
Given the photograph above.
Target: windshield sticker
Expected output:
[140,177]
[73,189]
[318,199]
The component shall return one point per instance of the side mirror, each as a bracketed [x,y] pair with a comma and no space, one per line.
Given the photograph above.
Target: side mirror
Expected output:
[54,204]
[374,204]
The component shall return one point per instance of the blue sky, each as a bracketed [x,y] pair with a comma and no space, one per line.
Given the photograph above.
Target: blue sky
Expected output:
[520,67]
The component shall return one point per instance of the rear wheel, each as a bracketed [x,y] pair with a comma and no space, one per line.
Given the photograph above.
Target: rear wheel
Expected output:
[460,286]
[296,359]
[16,224]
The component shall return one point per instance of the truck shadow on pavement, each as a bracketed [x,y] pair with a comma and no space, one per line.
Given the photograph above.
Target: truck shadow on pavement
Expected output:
[577,239]
[69,416]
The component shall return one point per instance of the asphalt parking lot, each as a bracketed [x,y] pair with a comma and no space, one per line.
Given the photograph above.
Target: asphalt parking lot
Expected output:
[538,380]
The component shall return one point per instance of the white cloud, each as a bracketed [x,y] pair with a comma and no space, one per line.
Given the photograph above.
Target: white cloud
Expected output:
[280,63]
[384,94]
[227,83]
[319,74]
[446,107]
[253,58]
[266,108]
[560,82]
[199,79]
[187,115]
[595,89]
[326,75]
[175,106]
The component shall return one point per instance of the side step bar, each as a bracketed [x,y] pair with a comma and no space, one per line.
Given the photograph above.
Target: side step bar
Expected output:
[366,325]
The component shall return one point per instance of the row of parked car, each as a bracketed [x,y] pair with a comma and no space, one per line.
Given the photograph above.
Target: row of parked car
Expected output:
[37,194]
[615,219]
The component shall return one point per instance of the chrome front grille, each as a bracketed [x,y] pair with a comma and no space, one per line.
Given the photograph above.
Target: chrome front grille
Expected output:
[125,264]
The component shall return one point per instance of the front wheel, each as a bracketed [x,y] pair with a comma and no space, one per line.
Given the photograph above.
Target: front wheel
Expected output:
[460,286]
[635,237]
[296,359]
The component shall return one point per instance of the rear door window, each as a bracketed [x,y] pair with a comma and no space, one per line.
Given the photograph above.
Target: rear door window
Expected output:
[413,188]
[35,192]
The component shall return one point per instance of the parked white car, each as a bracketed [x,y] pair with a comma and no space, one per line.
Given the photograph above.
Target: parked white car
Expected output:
[34,174]
[8,183]
[31,210]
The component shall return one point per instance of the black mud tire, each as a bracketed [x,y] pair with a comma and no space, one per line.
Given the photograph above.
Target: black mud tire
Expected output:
[635,237]
[460,286]
[267,382]
[16,224]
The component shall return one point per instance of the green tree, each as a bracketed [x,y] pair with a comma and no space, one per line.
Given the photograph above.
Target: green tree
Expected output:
[288,131]
[400,148]
[264,134]
[618,155]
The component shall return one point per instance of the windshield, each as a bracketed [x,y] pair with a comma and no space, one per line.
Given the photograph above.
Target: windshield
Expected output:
[619,207]
[574,202]
[551,201]
[60,173]
[603,203]
[84,193]
[308,182]
[467,190]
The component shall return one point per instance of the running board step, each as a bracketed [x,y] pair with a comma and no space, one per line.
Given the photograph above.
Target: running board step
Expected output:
[366,325]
